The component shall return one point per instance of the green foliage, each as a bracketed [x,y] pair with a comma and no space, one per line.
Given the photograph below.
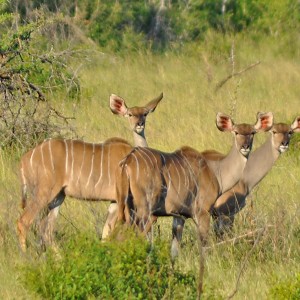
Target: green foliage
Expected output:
[141,25]
[116,20]
[28,75]
[287,290]
[131,269]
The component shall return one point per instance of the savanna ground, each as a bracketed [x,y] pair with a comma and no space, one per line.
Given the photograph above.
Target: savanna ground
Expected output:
[186,116]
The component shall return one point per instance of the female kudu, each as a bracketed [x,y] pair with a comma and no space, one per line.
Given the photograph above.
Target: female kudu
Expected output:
[258,165]
[185,182]
[57,168]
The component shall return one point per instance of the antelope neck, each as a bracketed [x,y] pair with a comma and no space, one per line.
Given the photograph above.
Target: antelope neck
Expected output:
[229,169]
[139,139]
[259,164]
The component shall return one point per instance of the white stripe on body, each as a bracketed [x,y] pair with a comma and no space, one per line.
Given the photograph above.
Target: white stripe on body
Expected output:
[31,157]
[51,157]
[23,175]
[186,178]
[169,176]
[92,166]
[145,150]
[178,175]
[83,156]
[137,167]
[101,166]
[142,155]
[191,169]
[43,160]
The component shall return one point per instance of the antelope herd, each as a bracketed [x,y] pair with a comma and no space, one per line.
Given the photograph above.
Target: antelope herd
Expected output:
[144,183]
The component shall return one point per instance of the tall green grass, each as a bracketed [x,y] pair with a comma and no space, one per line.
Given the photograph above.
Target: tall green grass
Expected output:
[186,116]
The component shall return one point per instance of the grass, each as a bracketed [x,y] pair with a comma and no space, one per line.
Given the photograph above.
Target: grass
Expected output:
[186,116]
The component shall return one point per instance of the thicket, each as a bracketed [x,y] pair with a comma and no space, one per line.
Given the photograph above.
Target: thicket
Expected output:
[89,269]
[31,71]
[162,25]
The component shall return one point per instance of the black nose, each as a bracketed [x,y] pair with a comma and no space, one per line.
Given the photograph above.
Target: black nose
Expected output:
[285,143]
[246,147]
[141,123]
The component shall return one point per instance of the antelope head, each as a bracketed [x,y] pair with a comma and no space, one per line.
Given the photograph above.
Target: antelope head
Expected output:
[136,115]
[244,133]
[282,133]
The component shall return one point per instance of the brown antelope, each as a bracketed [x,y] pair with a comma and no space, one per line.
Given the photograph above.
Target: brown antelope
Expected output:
[258,165]
[137,119]
[185,182]
[57,168]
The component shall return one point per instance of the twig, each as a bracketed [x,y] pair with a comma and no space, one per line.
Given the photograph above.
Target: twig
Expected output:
[238,238]
[222,82]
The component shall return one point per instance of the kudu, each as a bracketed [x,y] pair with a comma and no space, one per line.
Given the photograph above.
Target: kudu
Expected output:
[186,182]
[137,119]
[57,168]
[258,165]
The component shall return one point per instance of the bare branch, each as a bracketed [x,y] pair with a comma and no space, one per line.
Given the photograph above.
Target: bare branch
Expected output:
[239,238]
[222,82]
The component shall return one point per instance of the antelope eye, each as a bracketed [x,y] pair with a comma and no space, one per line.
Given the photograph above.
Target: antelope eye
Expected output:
[130,115]
[145,114]
[274,132]
[290,132]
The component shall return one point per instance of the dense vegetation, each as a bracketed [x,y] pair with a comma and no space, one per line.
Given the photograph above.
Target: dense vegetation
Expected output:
[60,60]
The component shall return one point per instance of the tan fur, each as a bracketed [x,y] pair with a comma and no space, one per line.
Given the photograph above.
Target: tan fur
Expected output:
[82,170]
[56,168]
[184,182]
[232,201]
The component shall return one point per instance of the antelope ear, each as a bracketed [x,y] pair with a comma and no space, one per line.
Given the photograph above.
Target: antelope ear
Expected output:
[151,106]
[264,121]
[296,124]
[224,122]
[117,105]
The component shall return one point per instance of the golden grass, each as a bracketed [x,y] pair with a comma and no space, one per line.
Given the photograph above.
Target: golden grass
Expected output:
[186,116]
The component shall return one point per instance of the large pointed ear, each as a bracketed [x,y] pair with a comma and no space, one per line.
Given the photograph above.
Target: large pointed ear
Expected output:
[264,121]
[224,122]
[151,106]
[117,105]
[296,124]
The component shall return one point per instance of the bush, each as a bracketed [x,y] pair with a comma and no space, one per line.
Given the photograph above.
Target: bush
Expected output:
[287,290]
[29,75]
[131,269]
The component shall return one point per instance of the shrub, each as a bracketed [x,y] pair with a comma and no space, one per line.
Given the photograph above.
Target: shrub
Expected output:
[287,290]
[131,269]
[28,76]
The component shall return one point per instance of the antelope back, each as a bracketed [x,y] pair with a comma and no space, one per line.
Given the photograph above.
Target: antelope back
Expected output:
[83,170]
